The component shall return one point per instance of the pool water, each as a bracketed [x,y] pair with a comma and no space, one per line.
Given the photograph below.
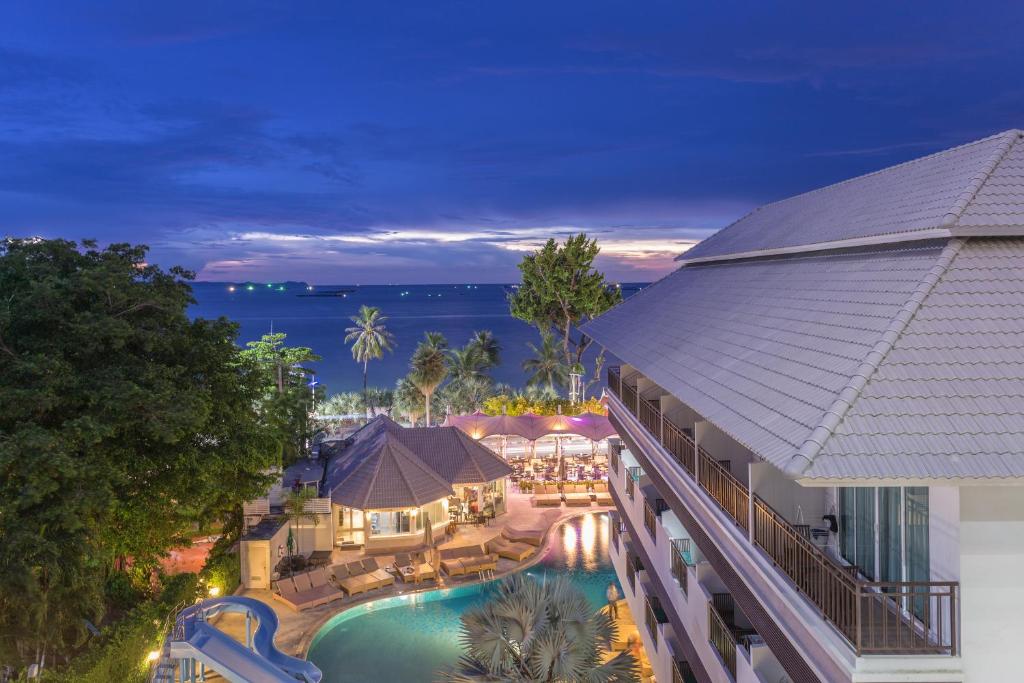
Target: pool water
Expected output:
[408,638]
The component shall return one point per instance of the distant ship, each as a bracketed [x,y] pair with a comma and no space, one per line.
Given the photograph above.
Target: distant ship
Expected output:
[344,292]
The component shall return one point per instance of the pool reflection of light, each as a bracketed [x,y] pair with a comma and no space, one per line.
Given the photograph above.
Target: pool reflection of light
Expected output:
[588,541]
[569,544]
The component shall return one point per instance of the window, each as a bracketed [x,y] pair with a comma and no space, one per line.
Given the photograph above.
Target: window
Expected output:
[390,523]
[884,531]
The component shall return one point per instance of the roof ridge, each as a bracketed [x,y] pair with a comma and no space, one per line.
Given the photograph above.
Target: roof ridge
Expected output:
[835,414]
[952,216]
[416,460]
[461,436]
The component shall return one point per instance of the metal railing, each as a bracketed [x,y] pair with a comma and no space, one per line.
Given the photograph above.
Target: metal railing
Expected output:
[728,491]
[877,617]
[682,672]
[633,475]
[722,639]
[614,458]
[679,445]
[649,416]
[651,515]
[653,615]
[615,526]
[633,565]
[679,554]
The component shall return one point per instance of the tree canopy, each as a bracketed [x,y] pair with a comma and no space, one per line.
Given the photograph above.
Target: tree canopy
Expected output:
[561,290]
[123,423]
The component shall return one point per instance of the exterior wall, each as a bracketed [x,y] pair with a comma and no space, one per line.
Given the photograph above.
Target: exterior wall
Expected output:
[944,532]
[991,581]
[720,446]
[254,557]
[787,497]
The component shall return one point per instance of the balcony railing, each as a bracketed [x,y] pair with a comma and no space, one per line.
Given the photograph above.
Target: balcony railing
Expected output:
[633,475]
[678,444]
[728,491]
[651,515]
[614,458]
[682,672]
[653,615]
[876,617]
[616,529]
[649,416]
[680,560]
[722,638]
[633,565]
[913,617]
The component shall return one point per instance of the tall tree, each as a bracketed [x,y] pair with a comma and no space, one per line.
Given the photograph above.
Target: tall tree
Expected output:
[429,367]
[123,425]
[408,400]
[295,511]
[370,339]
[539,632]
[546,369]
[561,290]
[287,401]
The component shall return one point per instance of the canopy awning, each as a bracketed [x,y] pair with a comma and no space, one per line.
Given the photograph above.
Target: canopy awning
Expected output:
[532,427]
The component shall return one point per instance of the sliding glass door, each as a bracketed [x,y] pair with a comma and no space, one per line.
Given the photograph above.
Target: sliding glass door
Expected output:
[884,531]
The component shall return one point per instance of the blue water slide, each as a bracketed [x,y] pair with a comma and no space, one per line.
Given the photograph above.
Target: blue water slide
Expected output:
[196,639]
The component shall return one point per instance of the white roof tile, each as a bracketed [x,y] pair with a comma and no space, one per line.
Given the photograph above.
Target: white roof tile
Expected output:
[977,184]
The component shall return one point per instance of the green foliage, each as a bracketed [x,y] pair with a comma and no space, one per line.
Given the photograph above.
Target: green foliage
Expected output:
[520,404]
[561,290]
[539,631]
[369,338]
[286,401]
[295,510]
[124,424]
[119,652]
[222,570]
[546,369]
[408,401]
[429,367]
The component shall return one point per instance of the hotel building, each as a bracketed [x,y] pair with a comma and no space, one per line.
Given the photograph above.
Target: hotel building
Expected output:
[821,422]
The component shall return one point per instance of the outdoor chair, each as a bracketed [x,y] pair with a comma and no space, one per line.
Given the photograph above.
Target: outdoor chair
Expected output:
[601,495]
[577,495]
[378,573]
[532,536]
[509,550]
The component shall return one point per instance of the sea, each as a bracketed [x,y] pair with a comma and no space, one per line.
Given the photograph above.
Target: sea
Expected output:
[317,317]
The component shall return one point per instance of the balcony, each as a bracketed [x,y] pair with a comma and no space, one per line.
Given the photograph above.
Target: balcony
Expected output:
[651,515]
[681,672]
[633,565]
[681,561]
[633,475]
[876,618]
[654,615]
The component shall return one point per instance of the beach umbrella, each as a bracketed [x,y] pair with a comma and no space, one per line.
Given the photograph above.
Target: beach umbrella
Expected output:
[428,537]
[291,542]
[477,425]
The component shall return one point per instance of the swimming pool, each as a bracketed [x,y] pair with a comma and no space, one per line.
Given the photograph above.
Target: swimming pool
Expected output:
[407,638]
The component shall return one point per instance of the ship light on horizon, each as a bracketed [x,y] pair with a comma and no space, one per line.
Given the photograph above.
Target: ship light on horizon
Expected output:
[231,288]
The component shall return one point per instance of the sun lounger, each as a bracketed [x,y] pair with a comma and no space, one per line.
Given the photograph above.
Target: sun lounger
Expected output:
[509,550]
[601,495]
[377,572]
[467,559]
[531,536]
[321,585]
[577,495]
[546,495]
[300,595]
[351,584]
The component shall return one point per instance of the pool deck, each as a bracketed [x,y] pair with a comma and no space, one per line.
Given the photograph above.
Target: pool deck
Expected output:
[297,629]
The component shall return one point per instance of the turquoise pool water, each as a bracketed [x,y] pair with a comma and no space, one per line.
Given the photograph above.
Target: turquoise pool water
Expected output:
[406,639]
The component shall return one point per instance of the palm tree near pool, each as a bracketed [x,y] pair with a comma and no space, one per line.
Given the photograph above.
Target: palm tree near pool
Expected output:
[546,368]
[370,339]
[429,367]
[539,631]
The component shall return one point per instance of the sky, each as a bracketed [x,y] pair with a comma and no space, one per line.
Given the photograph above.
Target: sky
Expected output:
[434,142]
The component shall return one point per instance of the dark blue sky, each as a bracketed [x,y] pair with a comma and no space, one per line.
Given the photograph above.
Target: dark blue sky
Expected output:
[434,141]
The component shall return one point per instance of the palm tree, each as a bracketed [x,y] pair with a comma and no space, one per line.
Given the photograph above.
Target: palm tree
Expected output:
[488,345]
[408,400]
[369,338]
[539,631]
[546,368]
[429,367]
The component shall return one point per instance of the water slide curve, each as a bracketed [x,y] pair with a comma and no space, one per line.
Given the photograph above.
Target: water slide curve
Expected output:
[195,638]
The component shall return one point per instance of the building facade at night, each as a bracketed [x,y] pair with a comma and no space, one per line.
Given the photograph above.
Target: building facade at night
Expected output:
[821,421]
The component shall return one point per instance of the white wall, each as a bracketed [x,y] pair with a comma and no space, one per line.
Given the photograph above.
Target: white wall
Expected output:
[786,496]
[992,582]
[944,532]
[722,447]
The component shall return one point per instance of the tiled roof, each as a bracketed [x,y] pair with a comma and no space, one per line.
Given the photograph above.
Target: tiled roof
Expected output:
[980,184]
[948,399]
[388,465]
[761,348]
[378,471]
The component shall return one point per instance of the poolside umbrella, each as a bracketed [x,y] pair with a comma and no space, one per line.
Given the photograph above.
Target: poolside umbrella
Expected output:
[291,542]
[428,536]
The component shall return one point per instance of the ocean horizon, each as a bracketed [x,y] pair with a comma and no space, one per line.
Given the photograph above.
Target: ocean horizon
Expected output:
[317,319]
